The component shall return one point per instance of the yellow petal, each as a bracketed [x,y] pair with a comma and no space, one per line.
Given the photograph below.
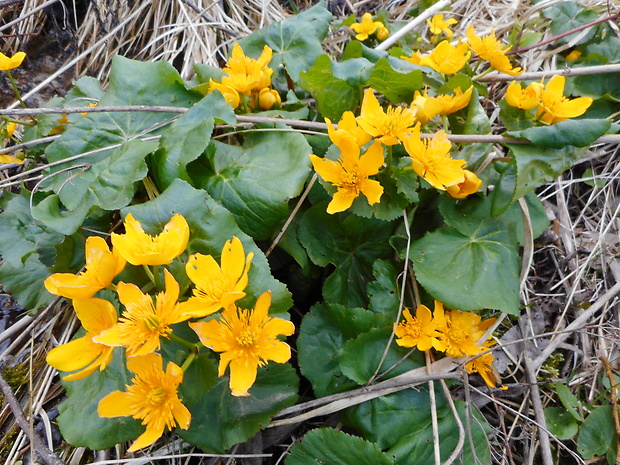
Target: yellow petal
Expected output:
[153,432]
[70,286]
[373,190]
[115,404]
[233,260]
[95,315]
[329,170]
[145,364]
[182,415]
[74,355]
[7,63]
[242,376]
[342,200]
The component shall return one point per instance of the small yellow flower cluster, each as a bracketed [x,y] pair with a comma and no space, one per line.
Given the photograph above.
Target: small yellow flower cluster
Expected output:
[248,81]
[450,59]
[430,159]
[367,27]
[552,106]
[245,338]
[455,333]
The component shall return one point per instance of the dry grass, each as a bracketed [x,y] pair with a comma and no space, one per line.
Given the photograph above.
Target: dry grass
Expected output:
[575,263]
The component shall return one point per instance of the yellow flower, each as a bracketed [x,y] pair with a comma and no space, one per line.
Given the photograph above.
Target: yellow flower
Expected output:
[527,98]
[431,159]
[152,397]
[140,248]
[556,107]
[418,331]
[460,331]
[245,74]
[350,173]
[437,25]
[5,159]
[10,128]
[366,27]
[426,107]
[573,56]
[490,49]
[143,323]
[101,268]
[217,287]
[267,98]
[383,33]
[445,58]
[62,122]
[96,315]
[483,365]
[230,95]
[470,186]
[347,126]
[246,339]
[7,63]
[388,127]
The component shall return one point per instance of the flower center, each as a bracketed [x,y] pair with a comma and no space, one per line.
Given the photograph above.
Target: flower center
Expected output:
[457,336]
[246,338]
[157,396]
[152,323]
[414,328]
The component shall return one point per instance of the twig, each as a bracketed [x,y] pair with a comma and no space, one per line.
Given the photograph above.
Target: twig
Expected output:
[459,424]
[29,13]
[410,26]
[584,71]
[614,402]
[40,448]
[433,407]
[577,323]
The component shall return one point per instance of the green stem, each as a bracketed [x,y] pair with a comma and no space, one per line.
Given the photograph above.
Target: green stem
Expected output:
[17,94]
[244,103]
[149,273]
[444,120]
[188,361]
[484,73]
[183,342]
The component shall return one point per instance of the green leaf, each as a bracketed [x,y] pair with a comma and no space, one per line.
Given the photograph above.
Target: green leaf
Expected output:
[383,293]
[597,435]
[417,449]
[20,235]
[471,267]
[578,133]
[325,445]
[561,423]
[361,356]
[538,165]
[220,420]
[333,96]
[351,244]
[187,137]
[567,16]
[105,178]
[387,419]
[355,71]
[58,218]
[323,332]
[254,181]
[78,420]
[569,401]
[208,237]
[295,41]
[396,86]
[25,282]
[515,119]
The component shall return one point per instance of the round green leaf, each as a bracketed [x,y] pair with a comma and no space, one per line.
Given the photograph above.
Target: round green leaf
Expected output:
[254,181]
[472,269]
[597,435]
[561,423]
[328,446]
[578,133]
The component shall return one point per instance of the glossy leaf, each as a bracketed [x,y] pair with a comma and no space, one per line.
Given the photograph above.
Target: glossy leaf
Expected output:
[187,137]
[361,356]
[220,420]
[384,293]
[578,133]
[295,41]
[326,445]
[597,435]
[397,86]
[78,420]
[351,244]
[333,96]
[322,334]
[473,267]
[254,181]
